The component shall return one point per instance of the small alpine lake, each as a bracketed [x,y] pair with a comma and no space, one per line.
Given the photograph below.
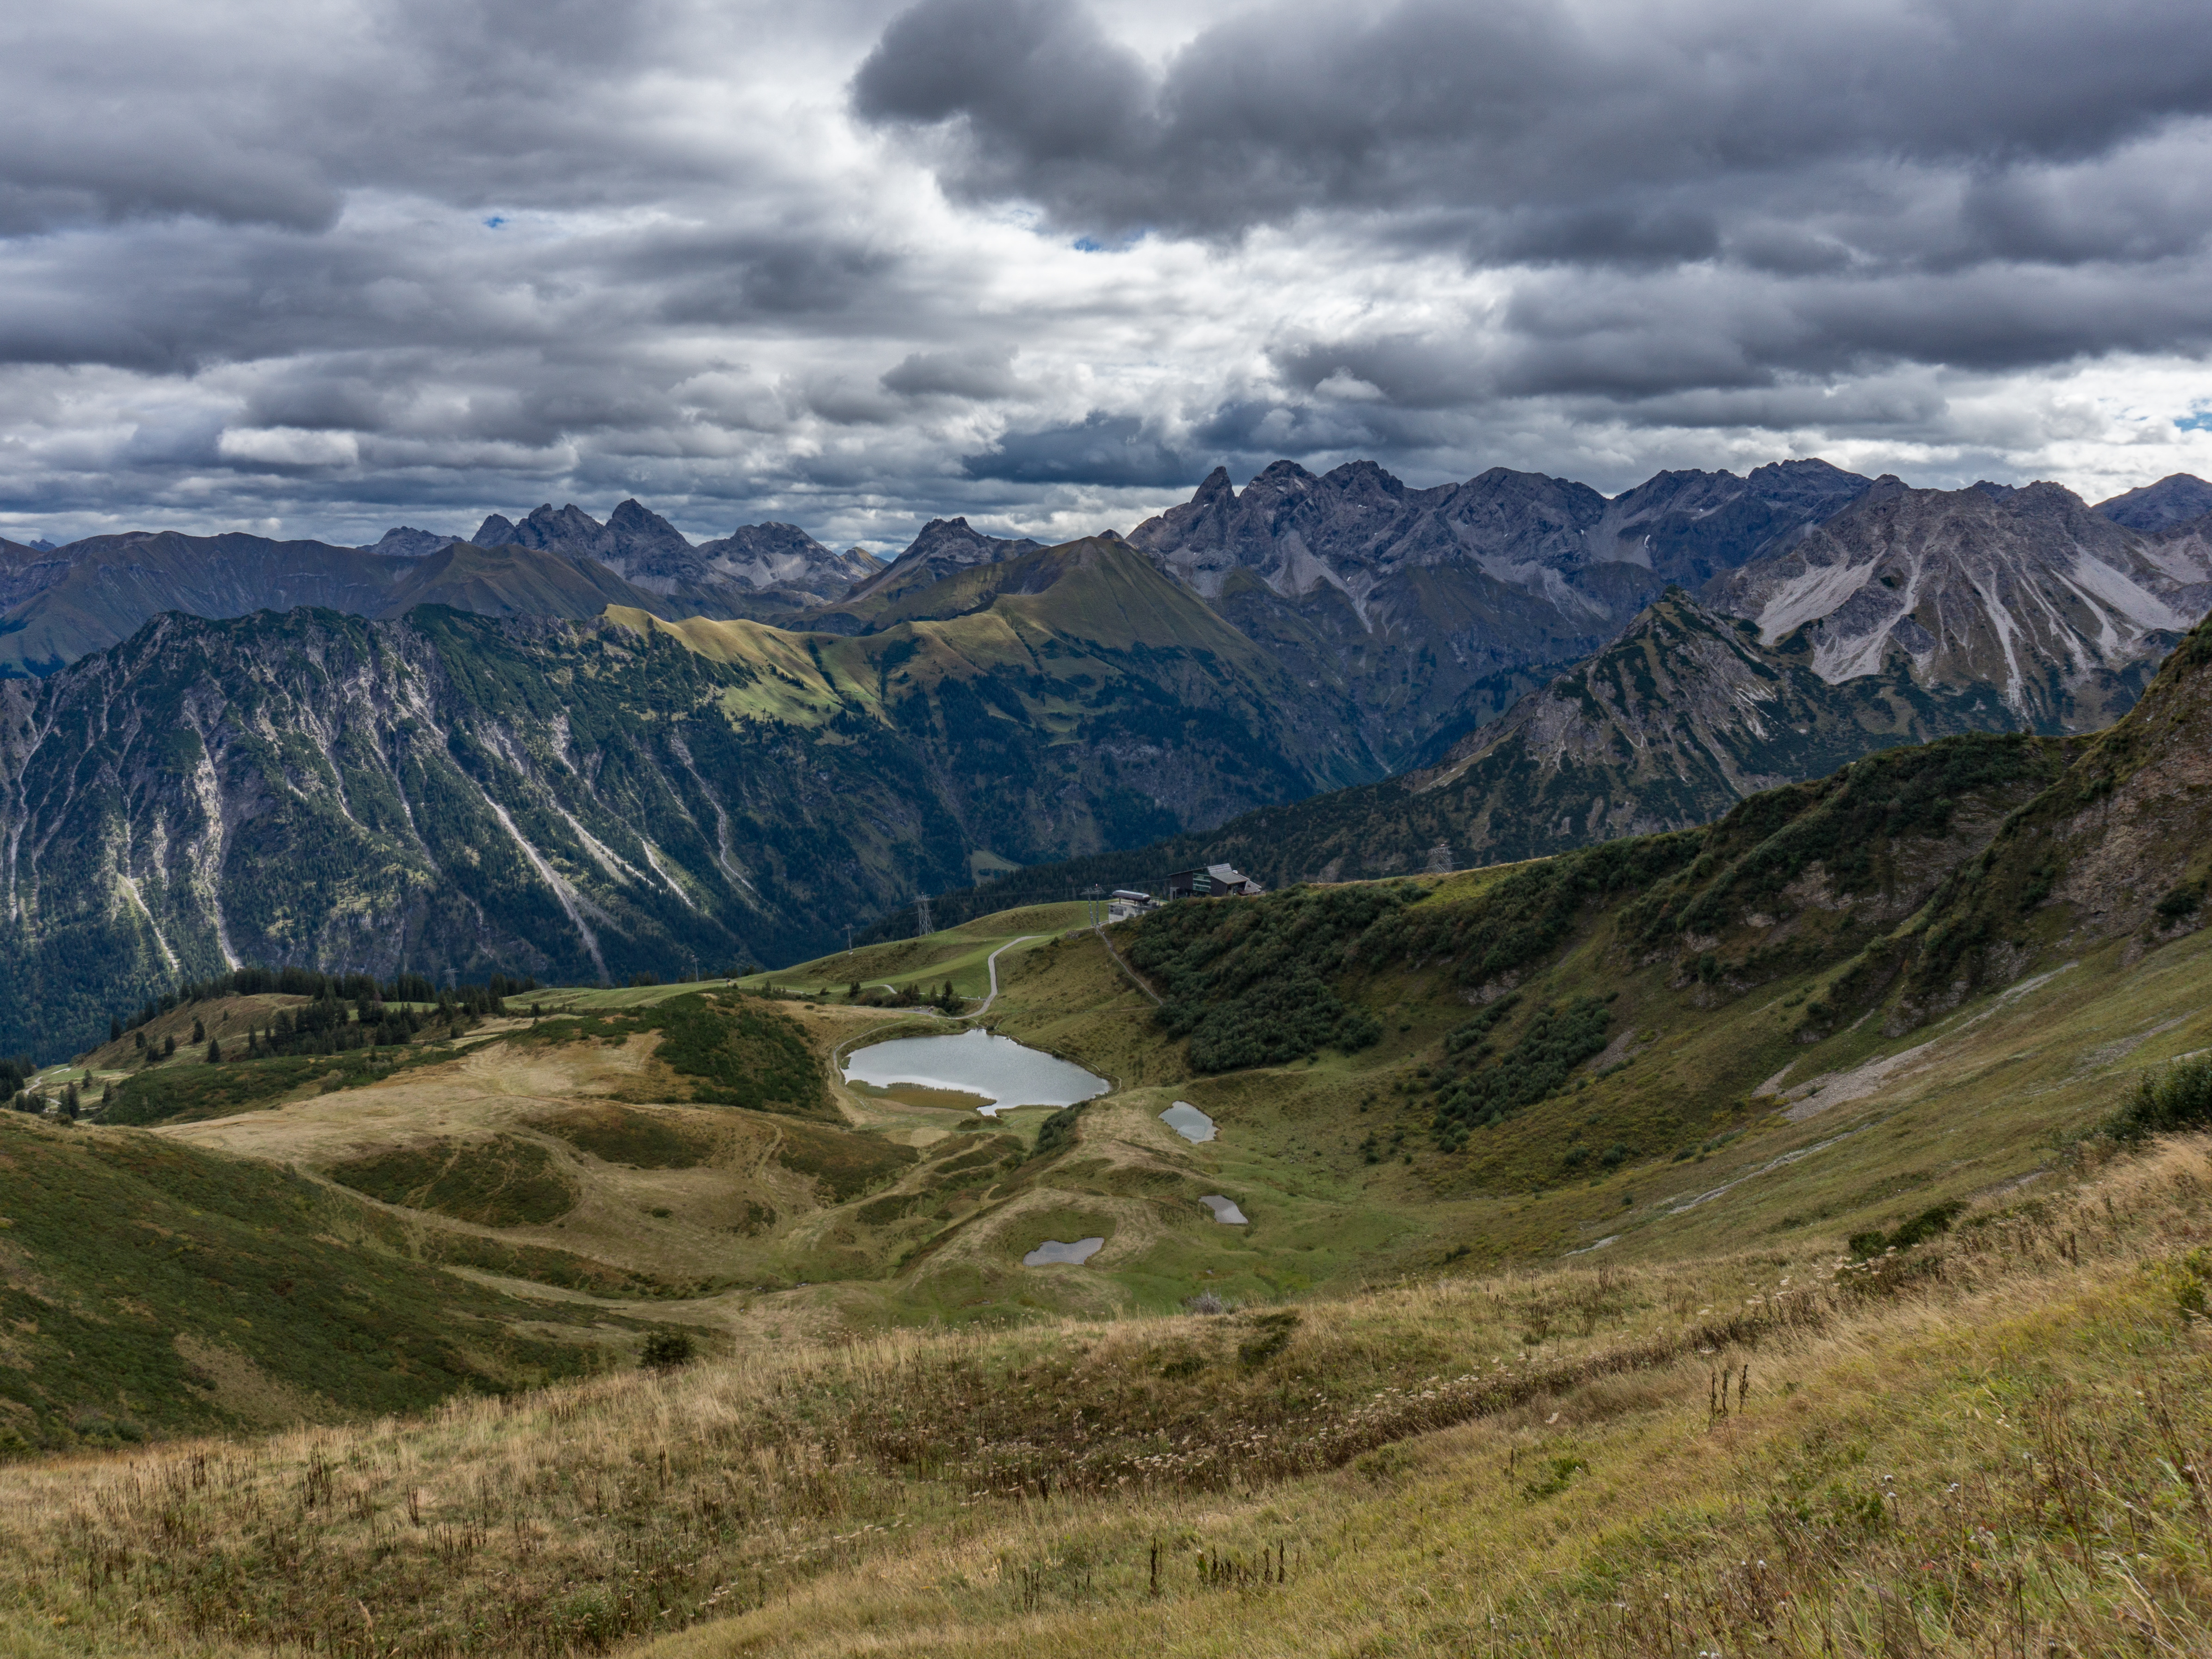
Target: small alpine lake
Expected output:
[1002,1071]
[1187,1120]
[1052,1252]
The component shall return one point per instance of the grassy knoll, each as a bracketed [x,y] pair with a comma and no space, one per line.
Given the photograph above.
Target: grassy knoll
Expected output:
[959,954]
[1980,1443]
[153,1287]
[723,1048]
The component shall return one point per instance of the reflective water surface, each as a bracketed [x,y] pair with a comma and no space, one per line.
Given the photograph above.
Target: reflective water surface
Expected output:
[1004,1072]
[1187,1120]
[1052,1250]
[1225,1210]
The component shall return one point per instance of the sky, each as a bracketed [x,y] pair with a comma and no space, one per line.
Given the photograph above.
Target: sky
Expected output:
[313,267]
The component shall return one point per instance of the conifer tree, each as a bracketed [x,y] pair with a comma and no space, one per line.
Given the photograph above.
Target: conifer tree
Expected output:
[200,1032]
[214,1051]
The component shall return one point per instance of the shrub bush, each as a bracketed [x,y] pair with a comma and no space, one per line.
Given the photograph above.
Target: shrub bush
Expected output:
[2177,1098]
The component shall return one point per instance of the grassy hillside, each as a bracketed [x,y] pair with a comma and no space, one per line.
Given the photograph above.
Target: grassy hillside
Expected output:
[152,1288]
[1980,1444]
[1629,1265]
[918,966]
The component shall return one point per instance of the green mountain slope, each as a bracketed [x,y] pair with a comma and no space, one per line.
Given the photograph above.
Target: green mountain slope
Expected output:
[154,1287]
[591,800]
[1622,1073]
[515,581]
[1653,1045]
[2118,847]
[1668,727]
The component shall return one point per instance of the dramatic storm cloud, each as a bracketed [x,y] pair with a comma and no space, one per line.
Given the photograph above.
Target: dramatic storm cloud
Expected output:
[324,266]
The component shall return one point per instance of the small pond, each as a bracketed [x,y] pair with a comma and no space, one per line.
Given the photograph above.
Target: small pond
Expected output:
[1187,1120]
[1002,1071]
[1052,1250]
[1225,1210]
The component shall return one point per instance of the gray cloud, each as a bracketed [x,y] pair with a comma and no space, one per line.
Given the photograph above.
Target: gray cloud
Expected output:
[413,261]
[1290,107]
[1100,449]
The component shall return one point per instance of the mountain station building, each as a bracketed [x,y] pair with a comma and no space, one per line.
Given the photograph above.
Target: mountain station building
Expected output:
[1126,903]
[1215,881]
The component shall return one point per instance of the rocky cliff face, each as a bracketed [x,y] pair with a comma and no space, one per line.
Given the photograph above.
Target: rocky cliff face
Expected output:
[1434,610]
[2062,610]
[1670,724]
[1688,527]
[783,558]
[583,800]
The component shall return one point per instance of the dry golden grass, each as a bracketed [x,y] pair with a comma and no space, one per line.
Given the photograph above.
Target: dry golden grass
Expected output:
[1988,1445]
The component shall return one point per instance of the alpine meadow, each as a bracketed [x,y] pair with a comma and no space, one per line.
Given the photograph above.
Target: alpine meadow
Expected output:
[1378,831]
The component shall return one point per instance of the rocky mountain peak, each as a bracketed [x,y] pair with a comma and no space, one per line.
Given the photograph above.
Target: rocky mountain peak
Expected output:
[1687,526]
[1363,477]
[2026,589]
[1491,578]
[2174,499]
[776,556]
[943,547]
[635,532]
[571,530]
[405,542]
[1215,487]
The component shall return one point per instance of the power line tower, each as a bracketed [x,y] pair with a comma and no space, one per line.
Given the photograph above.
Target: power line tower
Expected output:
[927,923]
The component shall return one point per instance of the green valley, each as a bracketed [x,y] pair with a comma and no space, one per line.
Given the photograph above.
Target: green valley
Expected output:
[1824,1181]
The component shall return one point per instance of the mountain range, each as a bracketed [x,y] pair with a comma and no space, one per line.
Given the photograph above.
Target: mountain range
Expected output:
[1424,612]
[765,569]
[573,753]
[589,799]
[1907,615]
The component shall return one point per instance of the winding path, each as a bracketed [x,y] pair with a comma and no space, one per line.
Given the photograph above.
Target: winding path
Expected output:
[992,962]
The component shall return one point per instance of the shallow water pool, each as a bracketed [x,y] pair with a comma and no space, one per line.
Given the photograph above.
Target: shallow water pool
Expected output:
[1225,1210]
[1052,1251]
[1187,1120]
[1004,1072]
